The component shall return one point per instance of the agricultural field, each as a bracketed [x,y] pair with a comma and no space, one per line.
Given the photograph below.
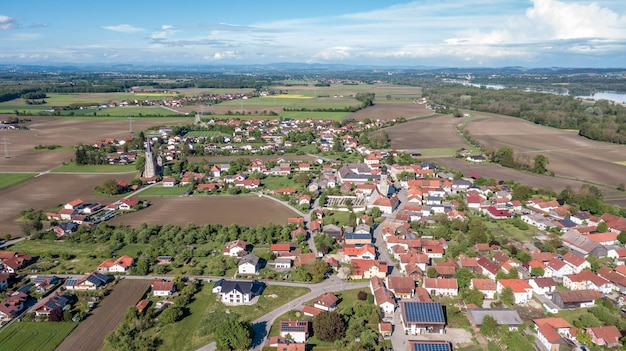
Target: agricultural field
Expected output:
[571,156]
[47,191]
[436,132]
[90,334]
[66,132]
[41,336]
[160,190]
[8,179]
[243,210]
[391,111]
[337,116]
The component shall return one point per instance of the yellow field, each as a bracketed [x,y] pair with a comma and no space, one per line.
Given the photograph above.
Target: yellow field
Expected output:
[623,163]
[288,96]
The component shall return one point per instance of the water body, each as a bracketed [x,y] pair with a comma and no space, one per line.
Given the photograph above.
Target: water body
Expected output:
[607,95]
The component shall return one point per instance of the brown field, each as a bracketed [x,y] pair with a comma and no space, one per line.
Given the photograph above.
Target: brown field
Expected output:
[426,133]
[65,132]
[391,111]
[217,159]
[49,190]
[90,334]
[200,210]
[491,170]
[570,155]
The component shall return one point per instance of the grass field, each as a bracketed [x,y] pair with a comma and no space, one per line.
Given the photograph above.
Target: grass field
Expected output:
[276,182]
[84,257]
[73,167]
[41,336]
[187,333]
[8,179]
[159,190]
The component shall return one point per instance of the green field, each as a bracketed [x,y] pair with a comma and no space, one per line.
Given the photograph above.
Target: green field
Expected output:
[337,116]
[277,182]
[73,167]
[202,133]
[159,190]
[40,336]
[8,179]
[298,101]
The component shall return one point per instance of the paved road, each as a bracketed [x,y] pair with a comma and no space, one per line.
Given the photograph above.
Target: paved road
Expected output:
[262,325]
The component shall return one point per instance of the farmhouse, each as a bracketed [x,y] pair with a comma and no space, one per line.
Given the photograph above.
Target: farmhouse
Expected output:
[128,204]
[12,306]
[54,302]
[441,286]
[607,335]
[91,281]
[522,291]
[576,298]
[235,248]
[326,302]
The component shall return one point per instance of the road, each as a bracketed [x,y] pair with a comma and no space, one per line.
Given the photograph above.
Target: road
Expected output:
[262,325]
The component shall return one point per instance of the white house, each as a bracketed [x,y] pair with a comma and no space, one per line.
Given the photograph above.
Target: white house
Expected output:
[237,292]
[297,330]
[522,291]
[542,286]
[485,286]
[248,264]
[441,286]
[162,287]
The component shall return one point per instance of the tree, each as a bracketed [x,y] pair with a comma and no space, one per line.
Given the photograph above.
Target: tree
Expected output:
[171,315]
[504,156]
[463,277]
[110,187]
[233,335]
[516,341]
[621,237]
[489,326]
[507,296]
[431,272]
[362,295]
[541,162]
[329,326]
[537,272]
[602,227]
[474,296]
[318,270]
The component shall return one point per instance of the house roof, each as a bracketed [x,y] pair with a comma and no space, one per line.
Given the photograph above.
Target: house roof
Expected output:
[440,283]
[297,326]
[401,285]
[574,259]
[554,322]
[162,285]
[609,333]
[575,296]
[423,312]
[550,334]
[517,285]
[327,299]
[425,345]
[280,247]
[501,316]
[483,284]
[242,286]
[544,282]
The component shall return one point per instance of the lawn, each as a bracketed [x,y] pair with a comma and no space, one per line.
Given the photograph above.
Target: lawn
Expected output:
[159,190]
[276,182]
[41,336]
[186,334]
[8,179]
[73,167]
[504,229]
[202,133]
[79,258]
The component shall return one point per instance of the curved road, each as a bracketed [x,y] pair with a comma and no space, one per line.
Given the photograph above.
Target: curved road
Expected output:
[261,326]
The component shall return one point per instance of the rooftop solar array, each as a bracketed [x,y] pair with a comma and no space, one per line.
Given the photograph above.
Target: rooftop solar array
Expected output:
[431,346]
[299,327]
[423,312]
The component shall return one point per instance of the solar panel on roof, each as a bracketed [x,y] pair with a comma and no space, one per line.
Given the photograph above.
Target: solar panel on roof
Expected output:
[423,312]
[431,347]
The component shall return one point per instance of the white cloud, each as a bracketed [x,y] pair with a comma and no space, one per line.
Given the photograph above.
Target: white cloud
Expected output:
[166,31]
[334,53]
[7,23]
[124,28]
[224,55]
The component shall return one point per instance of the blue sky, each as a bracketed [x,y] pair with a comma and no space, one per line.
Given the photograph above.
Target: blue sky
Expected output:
[460,33]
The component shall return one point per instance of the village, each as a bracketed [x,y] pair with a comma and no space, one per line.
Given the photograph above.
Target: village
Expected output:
[433,290]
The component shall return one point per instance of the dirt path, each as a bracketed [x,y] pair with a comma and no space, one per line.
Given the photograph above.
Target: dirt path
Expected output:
[90,334]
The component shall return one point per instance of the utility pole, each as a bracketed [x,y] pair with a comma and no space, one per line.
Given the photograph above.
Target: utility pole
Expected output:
[6,143]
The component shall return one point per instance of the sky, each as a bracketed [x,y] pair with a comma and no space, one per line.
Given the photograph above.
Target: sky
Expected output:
[441,33]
